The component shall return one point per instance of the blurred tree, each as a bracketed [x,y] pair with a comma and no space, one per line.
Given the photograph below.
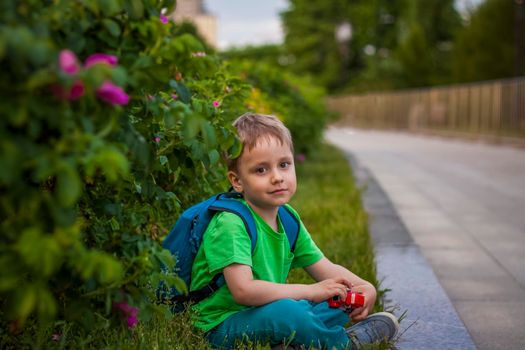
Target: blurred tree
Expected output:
[491,45]
[310,38]
[401,43]
[377,31]
[426,33]
[415,56]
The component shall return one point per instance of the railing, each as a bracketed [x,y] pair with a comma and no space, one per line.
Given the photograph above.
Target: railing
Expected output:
[493,108]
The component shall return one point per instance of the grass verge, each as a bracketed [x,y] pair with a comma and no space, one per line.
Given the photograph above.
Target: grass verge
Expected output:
[330,206]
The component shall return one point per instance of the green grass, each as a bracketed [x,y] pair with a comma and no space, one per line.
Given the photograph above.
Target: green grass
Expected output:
[330,206]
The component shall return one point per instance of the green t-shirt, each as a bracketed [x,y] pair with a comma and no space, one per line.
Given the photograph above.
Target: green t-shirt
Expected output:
[225,242]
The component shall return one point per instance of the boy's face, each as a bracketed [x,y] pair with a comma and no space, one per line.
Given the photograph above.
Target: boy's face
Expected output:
[265,175]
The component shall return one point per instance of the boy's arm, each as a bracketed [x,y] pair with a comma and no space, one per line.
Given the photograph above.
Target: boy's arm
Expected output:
[248,291]
[325,269]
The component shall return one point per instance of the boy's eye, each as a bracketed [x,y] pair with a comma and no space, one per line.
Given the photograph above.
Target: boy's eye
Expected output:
[285,164]
[260,170]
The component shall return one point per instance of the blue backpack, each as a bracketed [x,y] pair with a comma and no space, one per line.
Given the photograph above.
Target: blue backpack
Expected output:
[185,239]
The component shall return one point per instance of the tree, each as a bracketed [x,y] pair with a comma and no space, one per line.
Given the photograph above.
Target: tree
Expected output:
[488,47]
[401,43]
[310,38]
[415,56]
[426,30]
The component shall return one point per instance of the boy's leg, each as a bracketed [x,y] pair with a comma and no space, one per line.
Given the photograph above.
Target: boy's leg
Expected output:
[300,321]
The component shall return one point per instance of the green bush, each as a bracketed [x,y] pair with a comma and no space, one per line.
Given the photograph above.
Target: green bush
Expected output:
[298,101]
[98,159]
[112,123]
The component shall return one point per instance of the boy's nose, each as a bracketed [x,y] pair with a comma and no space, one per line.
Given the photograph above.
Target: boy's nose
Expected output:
[277,177]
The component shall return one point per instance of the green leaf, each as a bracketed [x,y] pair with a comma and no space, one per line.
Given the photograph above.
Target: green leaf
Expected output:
[119,76]
[208,133]
[214,156]
[39,79]
[46,305]
[112,27]
[40,53]
[191,125]
[135,9]
[10,164]
[69,186]
[39,251]
[109,7]
[166,258]
[19,116]
[163,160]
[235,150]
[112,162]
[25,301]
[182,91]
[114,224]
[181,285]
[109,270]
[197,151]
[142,62]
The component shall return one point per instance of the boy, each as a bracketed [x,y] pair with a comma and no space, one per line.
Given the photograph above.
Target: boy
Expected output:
[256,303]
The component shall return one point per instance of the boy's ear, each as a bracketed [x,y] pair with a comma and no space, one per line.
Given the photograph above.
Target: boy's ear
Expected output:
[235,181]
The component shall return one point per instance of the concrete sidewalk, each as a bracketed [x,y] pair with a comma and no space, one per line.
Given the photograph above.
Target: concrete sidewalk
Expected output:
[463,206]
[431,321]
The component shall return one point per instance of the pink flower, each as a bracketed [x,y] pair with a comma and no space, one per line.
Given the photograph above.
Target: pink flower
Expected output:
[216,104]
[74,93]
[199,54]
[157,139]
[112,93]
[77,90]
[56,337]
[68,62]
[174,96]
[132,321]
[300,157]
[164,19]
[130,313]
[100,58]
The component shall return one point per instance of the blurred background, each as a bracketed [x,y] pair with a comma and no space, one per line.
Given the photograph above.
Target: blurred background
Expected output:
[360,46]
[440,66]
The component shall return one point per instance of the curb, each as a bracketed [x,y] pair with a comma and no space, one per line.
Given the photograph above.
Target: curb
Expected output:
[431,321]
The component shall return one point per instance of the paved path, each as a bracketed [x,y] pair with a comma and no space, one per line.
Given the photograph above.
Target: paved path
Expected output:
[464,206]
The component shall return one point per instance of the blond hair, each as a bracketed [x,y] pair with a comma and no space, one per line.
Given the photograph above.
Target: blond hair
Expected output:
[253,127]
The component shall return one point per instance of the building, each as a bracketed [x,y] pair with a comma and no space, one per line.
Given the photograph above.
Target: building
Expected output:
[195,12]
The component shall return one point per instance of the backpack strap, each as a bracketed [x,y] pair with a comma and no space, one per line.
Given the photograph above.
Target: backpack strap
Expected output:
[199,294]
[290,224]
[227,202]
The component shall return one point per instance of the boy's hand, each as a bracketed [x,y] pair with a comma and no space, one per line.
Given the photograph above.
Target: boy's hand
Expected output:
[369,293]
[328,288]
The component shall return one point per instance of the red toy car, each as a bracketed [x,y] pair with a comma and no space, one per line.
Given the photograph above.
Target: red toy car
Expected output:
[353,301]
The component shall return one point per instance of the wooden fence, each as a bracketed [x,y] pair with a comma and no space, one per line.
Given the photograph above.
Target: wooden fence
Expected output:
[495,109]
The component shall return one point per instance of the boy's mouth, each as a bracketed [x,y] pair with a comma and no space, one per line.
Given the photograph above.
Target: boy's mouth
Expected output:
[279,191]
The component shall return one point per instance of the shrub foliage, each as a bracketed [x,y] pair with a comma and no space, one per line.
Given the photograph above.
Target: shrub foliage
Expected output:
[113,122]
